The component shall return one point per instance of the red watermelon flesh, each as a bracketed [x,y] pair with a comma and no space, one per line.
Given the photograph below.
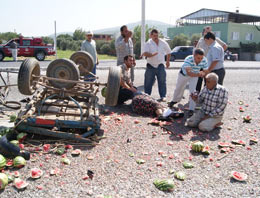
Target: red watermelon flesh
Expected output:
[238,176]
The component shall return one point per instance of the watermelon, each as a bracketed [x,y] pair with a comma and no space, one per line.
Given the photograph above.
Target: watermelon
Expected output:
[60,151]
[197,146]
[224,149]
[253,140]
[164,184]
[76,152]
[9,163]
[238,176]
[180,175]
[140,161]
[12,118]
[187,165]
[20,184]
[21,137]
[247,119]
[241,109]
[10,178]
[16,174]
[104,92]
[19,162]
[3,180]
[224,144]
[206,150]
[36,173]
[238,142]
[240,102]
[15,142]
[65,161]
[2,161]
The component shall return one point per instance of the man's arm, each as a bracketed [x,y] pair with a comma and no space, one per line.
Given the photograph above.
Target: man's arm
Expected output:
[168,56]
[125,85]
[222,43]
[212,66]
[119,43]
[147,54]
[190,73]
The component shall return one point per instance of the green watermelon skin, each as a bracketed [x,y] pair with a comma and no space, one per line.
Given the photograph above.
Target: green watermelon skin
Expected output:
[197,146]
[164,184]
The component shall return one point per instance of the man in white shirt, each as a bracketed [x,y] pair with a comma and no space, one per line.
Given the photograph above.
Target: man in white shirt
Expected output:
[155,50]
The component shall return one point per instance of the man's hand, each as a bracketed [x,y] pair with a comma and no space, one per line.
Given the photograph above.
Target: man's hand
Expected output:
[167,64]
[194,97]
[202,74]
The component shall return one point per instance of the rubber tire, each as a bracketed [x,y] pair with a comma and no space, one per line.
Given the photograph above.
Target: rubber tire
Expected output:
[60,67]
[113,85]
[2,56]
[41,57]
[84,59]
[29,67]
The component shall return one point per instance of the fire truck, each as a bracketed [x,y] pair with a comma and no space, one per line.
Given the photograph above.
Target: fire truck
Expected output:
[28,47]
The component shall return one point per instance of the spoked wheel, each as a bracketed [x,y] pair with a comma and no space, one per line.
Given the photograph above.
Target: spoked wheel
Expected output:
[84,61]
[63,69]
[113,85]
[12,105]
[26,80]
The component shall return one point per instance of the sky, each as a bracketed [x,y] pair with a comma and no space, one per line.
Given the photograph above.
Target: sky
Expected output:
[36,18]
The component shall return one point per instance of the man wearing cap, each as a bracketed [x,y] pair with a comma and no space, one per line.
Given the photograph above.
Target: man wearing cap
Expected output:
[124,46]
[89,45]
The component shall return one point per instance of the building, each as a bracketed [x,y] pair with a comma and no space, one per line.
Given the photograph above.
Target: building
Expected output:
[231,27]
[105,37]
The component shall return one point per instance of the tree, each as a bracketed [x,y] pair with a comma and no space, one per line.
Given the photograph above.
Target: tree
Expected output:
[105,48]
[194,38]
[8,36]
[79,35]
[179,40]
[47,40]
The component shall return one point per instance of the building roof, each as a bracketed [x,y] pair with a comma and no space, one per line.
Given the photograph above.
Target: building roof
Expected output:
[235,17]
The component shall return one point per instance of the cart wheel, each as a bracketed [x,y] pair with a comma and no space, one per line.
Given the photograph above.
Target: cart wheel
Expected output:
[84,60]
[63,69]
[113,85]
[12,105]
[28,68]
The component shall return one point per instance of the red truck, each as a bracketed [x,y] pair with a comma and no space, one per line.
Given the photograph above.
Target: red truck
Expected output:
[29,47]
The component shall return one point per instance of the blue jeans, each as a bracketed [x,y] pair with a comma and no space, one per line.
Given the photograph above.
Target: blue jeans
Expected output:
[149,79]
[89,77]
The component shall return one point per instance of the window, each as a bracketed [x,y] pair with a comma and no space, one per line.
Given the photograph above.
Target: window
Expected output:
[217,34]
[235,36]
[249,36]
[26,42]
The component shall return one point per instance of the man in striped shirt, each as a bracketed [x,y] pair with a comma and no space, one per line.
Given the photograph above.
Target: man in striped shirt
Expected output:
[190,71]
[213,98]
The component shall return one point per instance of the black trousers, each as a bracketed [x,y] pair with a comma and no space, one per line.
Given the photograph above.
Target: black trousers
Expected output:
[221,75]
[124,95]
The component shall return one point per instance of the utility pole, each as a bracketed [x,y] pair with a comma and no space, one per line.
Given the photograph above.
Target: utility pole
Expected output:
[55,40]
[143,27]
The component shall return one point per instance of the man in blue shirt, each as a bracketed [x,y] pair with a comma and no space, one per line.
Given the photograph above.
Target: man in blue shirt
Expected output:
[190,71]
[215,57]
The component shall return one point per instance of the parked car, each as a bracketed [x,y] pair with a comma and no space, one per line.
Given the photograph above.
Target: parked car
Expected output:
[181,52]
[28,47]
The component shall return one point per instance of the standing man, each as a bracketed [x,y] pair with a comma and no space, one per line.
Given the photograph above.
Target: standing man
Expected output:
[89,45]
[155,50]
[190,71]
[213,99]
[127,90]
[13,47]
[124,46]
[202,44]
[215,57]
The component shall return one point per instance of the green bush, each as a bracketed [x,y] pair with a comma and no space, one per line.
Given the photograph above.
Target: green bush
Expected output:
[248,47]
[105,49]
[179,40]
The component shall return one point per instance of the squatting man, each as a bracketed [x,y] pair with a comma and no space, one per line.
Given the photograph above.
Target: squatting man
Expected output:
[213,100]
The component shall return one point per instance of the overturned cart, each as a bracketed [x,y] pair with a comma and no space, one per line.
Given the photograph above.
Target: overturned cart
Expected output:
[63,105]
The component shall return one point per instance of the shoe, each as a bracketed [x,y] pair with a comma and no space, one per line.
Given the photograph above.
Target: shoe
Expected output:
[190,113]
[163,99]
[171,104]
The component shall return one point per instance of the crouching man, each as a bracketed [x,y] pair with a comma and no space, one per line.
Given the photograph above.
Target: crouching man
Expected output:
[127,90]
[213,99]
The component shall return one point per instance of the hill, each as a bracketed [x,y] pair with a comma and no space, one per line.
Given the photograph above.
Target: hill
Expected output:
[115,30]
